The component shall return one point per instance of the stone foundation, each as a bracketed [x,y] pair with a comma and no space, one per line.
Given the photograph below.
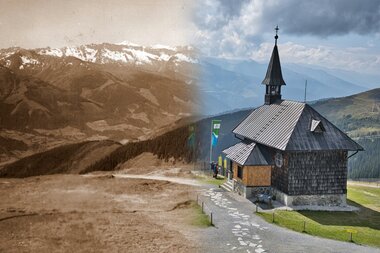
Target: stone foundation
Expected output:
[323,200]
[250,191]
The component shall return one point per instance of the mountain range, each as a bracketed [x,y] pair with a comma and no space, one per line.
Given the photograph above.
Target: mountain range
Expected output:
[228,84]
[123,92]
[126,92]
[184,144]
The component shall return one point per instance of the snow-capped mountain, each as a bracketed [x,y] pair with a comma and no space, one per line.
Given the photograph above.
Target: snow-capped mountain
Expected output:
[151,58]
[119,91]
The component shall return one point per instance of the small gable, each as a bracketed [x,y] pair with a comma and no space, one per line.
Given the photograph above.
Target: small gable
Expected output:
[314,132]
[316,126]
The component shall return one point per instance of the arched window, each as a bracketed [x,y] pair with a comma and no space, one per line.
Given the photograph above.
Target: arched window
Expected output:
[273,90]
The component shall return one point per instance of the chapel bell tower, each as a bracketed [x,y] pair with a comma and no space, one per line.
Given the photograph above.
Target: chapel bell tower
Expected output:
[273,79]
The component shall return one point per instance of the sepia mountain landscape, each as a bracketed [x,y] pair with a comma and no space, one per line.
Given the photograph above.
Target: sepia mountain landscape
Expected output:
[169,126]
[50,97]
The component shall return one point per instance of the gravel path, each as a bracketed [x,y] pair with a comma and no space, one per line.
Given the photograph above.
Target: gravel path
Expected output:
[176,180]
[237,229]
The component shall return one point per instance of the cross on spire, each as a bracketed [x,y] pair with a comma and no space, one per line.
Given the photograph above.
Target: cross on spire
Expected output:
[273,79]
[276,37]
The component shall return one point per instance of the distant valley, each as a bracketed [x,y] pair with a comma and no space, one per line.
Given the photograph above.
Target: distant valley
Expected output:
[226,85]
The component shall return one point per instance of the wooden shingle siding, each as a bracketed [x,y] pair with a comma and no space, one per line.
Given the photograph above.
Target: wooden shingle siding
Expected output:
[318,172]
[280,176]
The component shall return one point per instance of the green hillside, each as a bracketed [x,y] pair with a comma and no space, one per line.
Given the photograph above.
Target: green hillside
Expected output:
[359,117]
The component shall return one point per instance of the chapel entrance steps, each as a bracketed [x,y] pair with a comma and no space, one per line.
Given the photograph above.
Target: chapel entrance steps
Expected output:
[228,186]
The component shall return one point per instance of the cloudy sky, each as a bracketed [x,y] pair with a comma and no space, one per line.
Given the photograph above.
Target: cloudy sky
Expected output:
[336,34]
[57,23]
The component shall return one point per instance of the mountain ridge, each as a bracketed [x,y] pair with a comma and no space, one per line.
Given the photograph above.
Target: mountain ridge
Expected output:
[47,100]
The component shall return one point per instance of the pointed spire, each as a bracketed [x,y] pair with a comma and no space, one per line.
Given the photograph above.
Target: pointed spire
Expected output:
[274,74]
[276,36]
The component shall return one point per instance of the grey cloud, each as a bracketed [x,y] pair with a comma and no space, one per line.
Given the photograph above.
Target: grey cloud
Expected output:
[232,8]
[319,18]
[215,14]
[325,18]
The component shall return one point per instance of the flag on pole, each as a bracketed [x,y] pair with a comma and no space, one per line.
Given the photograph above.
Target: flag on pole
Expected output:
[191,138]
[215,131]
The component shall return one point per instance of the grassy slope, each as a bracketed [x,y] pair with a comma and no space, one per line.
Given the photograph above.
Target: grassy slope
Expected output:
[359,117]
[213,181]
[199,219]
[357,114]
[333,225]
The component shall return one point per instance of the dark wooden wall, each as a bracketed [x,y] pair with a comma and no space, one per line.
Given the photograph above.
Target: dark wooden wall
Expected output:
[280,175]
[316,172]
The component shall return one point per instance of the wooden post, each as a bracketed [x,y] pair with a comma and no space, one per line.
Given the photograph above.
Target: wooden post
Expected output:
[202,206]
[211,219]
[197,199]
[304,226]
[273,217]
[350,236]
[256,208]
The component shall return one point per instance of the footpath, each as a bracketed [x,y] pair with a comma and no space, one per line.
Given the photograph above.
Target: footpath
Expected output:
[238,229]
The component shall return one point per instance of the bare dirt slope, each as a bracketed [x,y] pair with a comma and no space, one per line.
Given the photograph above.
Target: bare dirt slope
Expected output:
[97,213]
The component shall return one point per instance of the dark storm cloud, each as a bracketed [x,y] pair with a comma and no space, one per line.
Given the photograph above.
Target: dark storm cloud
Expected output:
[325,18]
[241,29]
[320,18]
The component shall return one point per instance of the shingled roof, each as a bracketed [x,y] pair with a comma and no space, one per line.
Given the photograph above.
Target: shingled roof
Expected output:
[274,73]
[248,153]
[287,126]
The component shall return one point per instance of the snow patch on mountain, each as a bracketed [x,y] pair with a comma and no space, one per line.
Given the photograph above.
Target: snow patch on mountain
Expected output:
[127,43]
[51,51]
[90,54]
[158,46]
[142,56]
[114,55]
[183,58]
[121,53]
[164,57]
[28,60]
[75,52]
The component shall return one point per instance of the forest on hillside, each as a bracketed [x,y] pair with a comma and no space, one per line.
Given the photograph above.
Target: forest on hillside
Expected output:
[358,116]
[366,164]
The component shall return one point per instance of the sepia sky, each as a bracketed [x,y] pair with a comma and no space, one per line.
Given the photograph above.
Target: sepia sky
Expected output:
[339,34]
[57,23]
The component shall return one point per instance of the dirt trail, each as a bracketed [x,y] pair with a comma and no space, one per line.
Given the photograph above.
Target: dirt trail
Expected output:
[177,180]
[65,213]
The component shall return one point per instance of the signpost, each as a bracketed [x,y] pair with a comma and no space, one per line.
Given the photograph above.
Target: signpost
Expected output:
[351,231]
[215,127]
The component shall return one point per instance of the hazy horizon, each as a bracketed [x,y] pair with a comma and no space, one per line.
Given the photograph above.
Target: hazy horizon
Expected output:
[54,23]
